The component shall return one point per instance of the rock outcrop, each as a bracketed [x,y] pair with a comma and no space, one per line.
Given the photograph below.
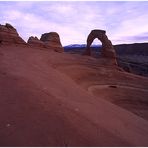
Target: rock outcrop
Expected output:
[107,50]
[49,41]
[52,40]
[34,41]
[9,35]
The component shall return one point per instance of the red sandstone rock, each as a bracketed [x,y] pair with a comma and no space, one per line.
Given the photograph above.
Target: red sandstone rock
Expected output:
[107,47]
[52,40]
[65,100]
[34,41]
[9,35]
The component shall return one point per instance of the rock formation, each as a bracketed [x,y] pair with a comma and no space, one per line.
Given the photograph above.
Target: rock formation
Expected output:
[9,35]
[34,41]
[107,50]
[52,40]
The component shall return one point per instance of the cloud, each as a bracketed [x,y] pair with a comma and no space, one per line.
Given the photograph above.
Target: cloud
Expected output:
[143,37]
[123,21]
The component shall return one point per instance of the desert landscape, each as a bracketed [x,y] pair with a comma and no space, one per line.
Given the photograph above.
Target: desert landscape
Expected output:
[49,97]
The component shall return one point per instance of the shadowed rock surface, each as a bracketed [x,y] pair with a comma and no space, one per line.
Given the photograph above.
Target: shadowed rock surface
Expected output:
[132,49]
[9,35]
[132,58]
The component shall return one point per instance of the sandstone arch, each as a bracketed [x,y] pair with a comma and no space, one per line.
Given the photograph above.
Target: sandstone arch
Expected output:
[107,47]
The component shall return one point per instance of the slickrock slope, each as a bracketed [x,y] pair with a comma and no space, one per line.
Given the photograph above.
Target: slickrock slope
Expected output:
[101,79]
[57,99]
[9,35]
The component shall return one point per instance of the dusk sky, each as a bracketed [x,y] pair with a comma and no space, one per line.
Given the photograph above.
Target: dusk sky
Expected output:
[124,21]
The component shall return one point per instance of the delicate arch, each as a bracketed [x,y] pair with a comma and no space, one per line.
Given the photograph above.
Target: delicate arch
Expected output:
[107,47]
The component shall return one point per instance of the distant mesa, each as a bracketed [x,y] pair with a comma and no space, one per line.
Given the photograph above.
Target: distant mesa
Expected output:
[9,35]
[107,47]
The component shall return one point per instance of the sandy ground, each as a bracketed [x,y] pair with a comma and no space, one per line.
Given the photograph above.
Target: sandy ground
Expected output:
[56,99]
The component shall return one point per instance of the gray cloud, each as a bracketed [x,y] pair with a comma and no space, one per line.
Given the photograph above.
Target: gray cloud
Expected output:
[139,38]
[123,21]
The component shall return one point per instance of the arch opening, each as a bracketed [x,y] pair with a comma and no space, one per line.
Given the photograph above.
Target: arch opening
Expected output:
[95,48]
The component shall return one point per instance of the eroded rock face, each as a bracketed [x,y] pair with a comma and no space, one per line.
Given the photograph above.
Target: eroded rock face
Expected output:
[49,41]
[52,40]
[107,47]
[34,41]
[9,35]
